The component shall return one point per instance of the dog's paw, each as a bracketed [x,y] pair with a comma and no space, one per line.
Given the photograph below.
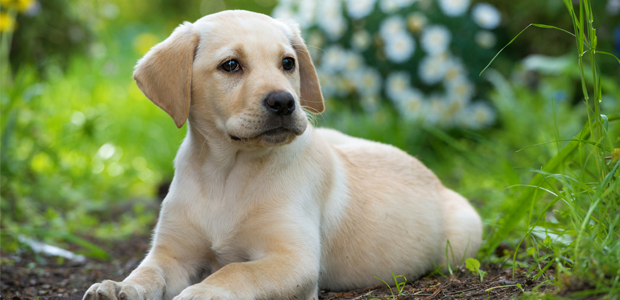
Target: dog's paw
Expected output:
[203,291]
[111,290]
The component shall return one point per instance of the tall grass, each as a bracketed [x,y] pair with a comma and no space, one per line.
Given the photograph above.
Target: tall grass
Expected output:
[581,182]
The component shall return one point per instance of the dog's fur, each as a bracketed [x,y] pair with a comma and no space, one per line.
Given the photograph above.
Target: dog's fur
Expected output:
[280,214]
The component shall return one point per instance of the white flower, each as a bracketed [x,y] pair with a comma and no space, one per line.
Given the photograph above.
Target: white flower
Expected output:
[388,6]
[416,21]
[331,19]
[359,8]
[306,13]
[433,68]
[405,3]
[453,106]
[391,26]
[460,88]
[454,69]
[333,60]
[353,61]
[436,39]
[360,40]
[486,15]
[454,8]
[485,39]
[399,47]
[478,115]
[370,102]
[434,110]
[411,104]
[396,84]
[368,81]
[283,12]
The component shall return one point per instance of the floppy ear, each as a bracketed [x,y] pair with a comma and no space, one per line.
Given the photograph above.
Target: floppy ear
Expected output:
[311,96]
[164,74]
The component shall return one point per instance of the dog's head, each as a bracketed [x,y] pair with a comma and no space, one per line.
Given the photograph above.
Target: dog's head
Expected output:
[239,75]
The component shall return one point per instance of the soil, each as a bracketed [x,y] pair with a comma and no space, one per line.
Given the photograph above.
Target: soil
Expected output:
[28,276]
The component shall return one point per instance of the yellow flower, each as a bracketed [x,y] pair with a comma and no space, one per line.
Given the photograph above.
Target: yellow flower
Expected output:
[144,42]
[19,5]
[7,22]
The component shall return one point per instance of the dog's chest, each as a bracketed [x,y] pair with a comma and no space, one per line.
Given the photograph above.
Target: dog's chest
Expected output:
[220,219]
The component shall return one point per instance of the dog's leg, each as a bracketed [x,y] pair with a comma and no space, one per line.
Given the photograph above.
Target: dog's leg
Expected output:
[161,275]
[285,261]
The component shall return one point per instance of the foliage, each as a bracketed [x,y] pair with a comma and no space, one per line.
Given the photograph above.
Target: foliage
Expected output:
[473,265]
[400,286]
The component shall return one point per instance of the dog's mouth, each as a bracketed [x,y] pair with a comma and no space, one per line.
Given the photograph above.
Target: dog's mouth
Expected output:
[269,133]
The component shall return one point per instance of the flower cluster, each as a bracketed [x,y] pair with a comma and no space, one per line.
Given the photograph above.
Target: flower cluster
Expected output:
[422,55]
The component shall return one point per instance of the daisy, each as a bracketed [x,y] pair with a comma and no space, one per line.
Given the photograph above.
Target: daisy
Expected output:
[454,8]
[283,12]
[331,20]
[399,47]
[392,26]
[396,84]
[353,61]
[454,69]
[432,68]
[388,6]
[306,13]
[486,15]
[485,39]
[436,39]
[460,88]
[333,60]
[358,9]
[360,40]
[368,81]
[477,116]
[405,3]
[411,105]
[434,110]
[416,21]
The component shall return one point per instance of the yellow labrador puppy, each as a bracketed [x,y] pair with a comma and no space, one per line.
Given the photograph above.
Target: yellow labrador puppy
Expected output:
[263,205]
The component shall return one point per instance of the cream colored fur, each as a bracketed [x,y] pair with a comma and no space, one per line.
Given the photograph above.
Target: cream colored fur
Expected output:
[257,216]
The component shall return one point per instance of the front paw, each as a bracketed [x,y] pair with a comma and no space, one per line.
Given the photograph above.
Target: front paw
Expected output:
[203,291]
[112,290]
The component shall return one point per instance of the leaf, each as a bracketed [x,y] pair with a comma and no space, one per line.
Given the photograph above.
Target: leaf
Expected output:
[472,264]
[615,154]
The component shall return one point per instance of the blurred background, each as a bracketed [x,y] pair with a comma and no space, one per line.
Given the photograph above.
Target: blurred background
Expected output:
[85,155]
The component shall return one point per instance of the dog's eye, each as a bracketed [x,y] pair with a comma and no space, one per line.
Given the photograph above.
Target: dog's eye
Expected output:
[231,66]
[288,63]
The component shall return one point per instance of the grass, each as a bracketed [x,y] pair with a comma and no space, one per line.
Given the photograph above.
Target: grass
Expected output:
[546,179]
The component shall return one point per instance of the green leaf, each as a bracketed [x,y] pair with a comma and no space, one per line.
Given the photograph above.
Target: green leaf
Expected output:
[472,264]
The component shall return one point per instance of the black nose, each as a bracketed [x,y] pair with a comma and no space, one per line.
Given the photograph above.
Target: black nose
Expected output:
[280,103]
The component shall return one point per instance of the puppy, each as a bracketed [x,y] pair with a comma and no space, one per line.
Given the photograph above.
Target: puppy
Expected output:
[263,205]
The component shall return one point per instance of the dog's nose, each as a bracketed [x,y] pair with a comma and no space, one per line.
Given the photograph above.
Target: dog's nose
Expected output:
[281,103]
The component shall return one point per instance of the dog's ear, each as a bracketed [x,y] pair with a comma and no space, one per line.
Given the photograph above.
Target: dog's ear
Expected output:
[164,74]
[311,97]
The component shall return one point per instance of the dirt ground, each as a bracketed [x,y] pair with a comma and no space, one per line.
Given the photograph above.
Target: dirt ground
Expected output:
[26,276]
